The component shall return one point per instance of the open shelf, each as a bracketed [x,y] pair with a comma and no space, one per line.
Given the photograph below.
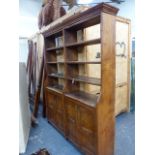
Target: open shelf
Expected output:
[84,43]
[88,99]
[54,48]
[58,88]
[57,75]
[83,62]
[55,62]
[90,80]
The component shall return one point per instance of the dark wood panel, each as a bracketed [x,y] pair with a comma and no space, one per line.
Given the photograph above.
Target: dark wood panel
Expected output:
[50,114]
[87,141]
[51,101]
[86,119]
[86,124]
[59,120]
[55,109]
[71,109]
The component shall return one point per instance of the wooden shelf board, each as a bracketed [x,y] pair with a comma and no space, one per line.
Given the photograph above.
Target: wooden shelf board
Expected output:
[57,75]
[55,62]
[57,88]
[88,42]
[83,62]
[54,48]
[54,34]
[88,99]
[90,80]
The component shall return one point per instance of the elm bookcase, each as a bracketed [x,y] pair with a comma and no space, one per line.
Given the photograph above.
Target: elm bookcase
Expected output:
[86,118]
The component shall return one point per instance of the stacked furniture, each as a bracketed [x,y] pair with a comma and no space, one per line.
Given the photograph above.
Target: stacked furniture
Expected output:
[86,118]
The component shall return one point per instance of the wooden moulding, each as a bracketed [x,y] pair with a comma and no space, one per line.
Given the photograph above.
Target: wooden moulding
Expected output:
[77,19]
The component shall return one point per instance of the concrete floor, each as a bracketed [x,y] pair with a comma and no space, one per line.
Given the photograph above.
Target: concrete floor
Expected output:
[45,136]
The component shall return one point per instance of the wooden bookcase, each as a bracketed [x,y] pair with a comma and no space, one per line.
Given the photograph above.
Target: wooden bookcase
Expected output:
[86,118]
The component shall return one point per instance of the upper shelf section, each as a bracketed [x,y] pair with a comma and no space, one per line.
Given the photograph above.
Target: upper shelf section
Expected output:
[84,19]
[54,42]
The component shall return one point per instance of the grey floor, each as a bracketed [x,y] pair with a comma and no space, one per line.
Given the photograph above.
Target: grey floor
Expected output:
[45,136]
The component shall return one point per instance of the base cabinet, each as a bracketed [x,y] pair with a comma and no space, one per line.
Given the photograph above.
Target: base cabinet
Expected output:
[80,125]
[74,119]
[55,110]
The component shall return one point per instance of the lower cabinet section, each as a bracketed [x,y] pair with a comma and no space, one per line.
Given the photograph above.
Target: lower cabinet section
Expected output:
[55,110]
[80,126]
[74,119]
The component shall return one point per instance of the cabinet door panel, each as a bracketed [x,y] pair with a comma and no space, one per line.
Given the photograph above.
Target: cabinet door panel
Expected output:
[55,112]
[50,114]
[72,130]
[59,120]
[51,99]
[71,120]
[86,125]
[59,105]
[71,109]
[86,118]
[87,140]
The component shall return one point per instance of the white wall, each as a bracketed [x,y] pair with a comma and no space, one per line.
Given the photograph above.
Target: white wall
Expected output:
[28,24]
[28,17]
